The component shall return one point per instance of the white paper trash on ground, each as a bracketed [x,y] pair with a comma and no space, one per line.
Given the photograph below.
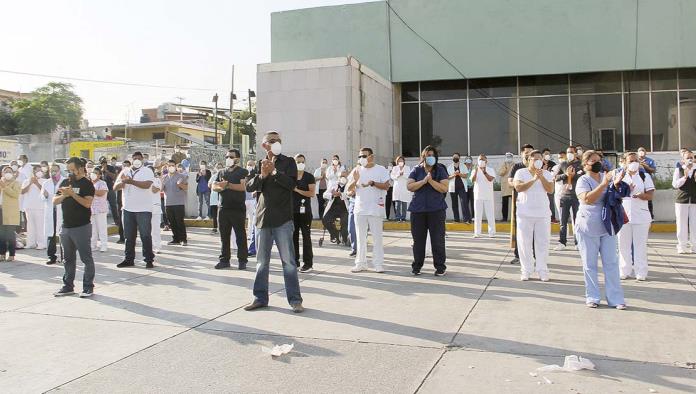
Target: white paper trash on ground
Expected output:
[571,364]
[278,350]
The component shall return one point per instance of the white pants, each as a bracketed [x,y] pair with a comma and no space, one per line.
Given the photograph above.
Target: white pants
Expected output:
[374,223]
[99,231]
[156,232]
[481,206]
[537,230]
[35,229]
[251,218]
[686,219]
[635,235]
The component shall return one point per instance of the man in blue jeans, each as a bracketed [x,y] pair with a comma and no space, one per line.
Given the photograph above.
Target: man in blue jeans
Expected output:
[274,221]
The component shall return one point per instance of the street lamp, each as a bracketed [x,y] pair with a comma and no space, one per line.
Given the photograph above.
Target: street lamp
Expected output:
[215,100]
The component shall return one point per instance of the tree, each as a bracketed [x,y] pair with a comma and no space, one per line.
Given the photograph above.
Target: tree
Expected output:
[48,107]
[8,124]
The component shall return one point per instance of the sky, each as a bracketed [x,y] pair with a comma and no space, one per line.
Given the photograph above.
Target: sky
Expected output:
[173,43]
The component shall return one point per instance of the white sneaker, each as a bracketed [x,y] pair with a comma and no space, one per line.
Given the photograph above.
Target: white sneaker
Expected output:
[524,277]
[544,276]
[199,218]
[476,236]
[103,250]
[559,247]
[358,268]
[682,251]
[641,278]
[624,277]
[379,270]
[491,235]
[207,218]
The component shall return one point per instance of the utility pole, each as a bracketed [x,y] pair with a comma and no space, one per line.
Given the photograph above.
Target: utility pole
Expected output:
[232,97]
[181,110]
[251,119]
[215,100]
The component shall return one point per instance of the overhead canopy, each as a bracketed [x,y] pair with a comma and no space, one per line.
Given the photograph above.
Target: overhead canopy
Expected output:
[192,139]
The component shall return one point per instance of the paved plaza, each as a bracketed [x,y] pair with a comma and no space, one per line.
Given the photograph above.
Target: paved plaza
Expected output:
[181,326]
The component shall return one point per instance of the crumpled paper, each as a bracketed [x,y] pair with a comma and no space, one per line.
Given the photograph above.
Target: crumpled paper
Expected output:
[571,364]
[278,350]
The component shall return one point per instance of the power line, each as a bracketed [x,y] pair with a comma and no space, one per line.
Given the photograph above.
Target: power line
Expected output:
[144,85]
[529,122]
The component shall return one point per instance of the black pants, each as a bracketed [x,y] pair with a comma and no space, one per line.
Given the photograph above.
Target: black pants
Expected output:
[650,208]
[229,219]
[552,206]
[8,239]
[175,214]
[388,203]
[321,202]
[506,207]
[338,211]
[115,209]
[421,224]
[165,219]
[303,224]
[461,198]
[566,206]
[214,215]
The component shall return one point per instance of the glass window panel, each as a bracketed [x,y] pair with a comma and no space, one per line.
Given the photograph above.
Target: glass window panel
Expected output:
[493,127]
[410,145]
[444,126]
[409,91]
[687,78]
[664,120]
[542,85]
[636,81]
[543,113]
[663,79]
[637,121]
[443,90]
[492,87]
[688,118]
[597,122]
[609,82]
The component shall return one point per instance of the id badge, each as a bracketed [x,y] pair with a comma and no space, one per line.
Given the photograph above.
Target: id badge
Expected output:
[302,210]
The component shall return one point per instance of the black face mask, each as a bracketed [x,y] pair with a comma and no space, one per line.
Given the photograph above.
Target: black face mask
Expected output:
[597,167]
[455,160]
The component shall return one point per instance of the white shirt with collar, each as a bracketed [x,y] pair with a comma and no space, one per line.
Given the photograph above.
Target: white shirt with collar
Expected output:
[136,199]
[635,208]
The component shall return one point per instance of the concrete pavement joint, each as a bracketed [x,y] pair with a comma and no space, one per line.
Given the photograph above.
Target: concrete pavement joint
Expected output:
[98,319]
[674,268]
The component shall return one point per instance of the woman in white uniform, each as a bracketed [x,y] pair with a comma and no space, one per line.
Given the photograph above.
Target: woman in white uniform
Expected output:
[400,194]
[633,236]
[53,214]
[34,209]
[483,178]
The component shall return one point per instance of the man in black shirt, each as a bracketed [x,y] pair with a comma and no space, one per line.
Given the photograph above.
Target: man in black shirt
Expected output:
[109,174]
[274,221]
[231,184]
[75,196]
[526,150]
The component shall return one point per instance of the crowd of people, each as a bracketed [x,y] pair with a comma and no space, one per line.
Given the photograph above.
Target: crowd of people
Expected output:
[259,204]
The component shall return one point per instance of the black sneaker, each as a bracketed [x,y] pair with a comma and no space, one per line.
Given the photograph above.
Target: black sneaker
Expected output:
[306,268]
[124,264]
[242,266]
[50,262]
[149,264]
[352,254]
[515,260]
[440,272]
[214,231]
[121,241]
[222,265]
[173,243]
[64,292]
[86,293]
[415,272]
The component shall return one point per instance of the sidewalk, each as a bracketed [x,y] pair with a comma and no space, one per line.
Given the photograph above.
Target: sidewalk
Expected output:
[180,327]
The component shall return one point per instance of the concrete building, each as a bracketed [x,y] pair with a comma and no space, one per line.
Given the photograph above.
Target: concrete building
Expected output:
[476,77]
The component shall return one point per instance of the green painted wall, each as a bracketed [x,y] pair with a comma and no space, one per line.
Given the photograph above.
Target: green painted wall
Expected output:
[487,38]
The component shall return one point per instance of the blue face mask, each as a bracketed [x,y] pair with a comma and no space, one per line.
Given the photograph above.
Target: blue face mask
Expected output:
[430,160]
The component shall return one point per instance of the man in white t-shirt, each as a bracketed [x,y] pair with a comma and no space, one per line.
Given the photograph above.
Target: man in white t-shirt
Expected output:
[533,216]
[136,182]
[483,178]
[370,183]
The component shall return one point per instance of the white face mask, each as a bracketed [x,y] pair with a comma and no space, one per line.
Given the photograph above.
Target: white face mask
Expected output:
[300,166]
[8,176]
[342,181]
[538,164]
[14,167]
[641,153]
[276,148]
[335,162]
[137,163]
[93,176]
[45,170]
[202,166]
[324,165]
[171,169]
[20,162]
[481,163]
[229,162]
[633,166]
[39,174]
[689,162]
[547,157]
[362,161]
[570,156]
[250,168]
[580,152]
